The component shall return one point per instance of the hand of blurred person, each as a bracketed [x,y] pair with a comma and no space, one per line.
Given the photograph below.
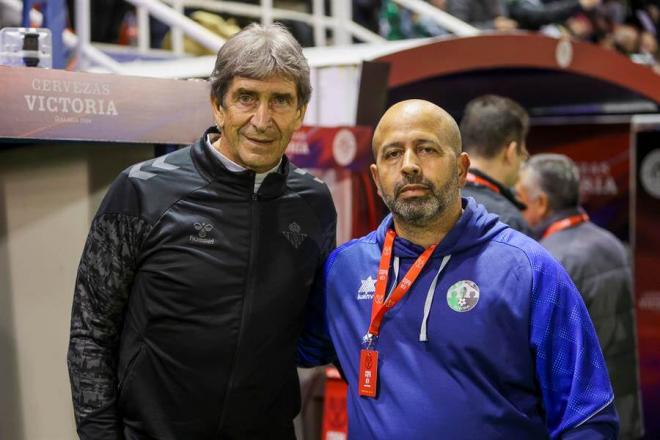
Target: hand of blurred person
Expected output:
[648,44]
[505,24]
[588,5]
[626,39]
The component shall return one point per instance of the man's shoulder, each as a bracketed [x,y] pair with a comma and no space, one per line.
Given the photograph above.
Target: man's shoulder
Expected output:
[301,180]
[146,188]
[312,189]
[354,250]
[588,246]
[527,250]
[501,206]
[152,171]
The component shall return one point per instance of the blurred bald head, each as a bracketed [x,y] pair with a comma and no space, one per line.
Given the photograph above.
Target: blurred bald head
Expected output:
[418,114]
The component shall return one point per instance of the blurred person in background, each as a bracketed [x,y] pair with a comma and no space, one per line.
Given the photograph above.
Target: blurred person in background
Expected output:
[532,14]
[397,23]
[598,265]
[626,39]
[198,267]
[648,44]
[366,13]
[494,129]
[106,16]
[483,14]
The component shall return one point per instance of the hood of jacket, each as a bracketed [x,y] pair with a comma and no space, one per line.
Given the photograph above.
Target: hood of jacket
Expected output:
[474,227]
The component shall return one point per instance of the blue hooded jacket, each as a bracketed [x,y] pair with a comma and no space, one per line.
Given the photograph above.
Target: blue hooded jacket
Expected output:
[492,341]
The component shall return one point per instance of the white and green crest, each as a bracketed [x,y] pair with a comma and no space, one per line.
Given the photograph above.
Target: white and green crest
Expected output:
[463,296]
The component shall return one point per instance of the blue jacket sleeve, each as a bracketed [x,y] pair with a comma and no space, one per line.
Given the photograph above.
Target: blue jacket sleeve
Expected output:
[570,367]
[601,426]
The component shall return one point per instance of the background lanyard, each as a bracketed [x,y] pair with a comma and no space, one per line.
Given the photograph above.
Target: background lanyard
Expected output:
[565,223]
[472,178]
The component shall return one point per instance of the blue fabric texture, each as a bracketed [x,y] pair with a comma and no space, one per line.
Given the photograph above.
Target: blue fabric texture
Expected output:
[520,361]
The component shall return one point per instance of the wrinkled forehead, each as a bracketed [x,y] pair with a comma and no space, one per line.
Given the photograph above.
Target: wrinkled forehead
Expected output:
[273,83]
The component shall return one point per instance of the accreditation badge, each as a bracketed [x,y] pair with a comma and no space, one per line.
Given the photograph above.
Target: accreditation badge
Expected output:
[368,379]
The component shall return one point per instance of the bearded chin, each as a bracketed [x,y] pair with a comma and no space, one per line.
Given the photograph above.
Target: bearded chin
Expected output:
[417,212]
[421,211]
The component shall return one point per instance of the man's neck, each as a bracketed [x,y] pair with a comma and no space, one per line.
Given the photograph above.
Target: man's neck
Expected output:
[491,167]
[234,166]
[431,233]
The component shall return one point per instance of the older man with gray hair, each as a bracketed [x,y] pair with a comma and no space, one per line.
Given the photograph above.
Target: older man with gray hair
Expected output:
[598,264]
[198,268]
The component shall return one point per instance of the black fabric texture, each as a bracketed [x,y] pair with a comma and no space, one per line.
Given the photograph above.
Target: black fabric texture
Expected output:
[190,296]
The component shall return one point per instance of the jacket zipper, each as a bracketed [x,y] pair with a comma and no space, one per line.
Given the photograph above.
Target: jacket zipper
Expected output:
[247,303]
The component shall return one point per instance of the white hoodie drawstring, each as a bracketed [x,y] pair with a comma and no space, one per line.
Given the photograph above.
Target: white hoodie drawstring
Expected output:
[429,300]
[395,269]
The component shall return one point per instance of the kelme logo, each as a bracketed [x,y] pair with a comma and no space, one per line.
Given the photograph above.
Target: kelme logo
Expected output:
[463,296]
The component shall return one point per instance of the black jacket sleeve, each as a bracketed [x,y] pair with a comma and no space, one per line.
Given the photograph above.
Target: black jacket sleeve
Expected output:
[103,283]
[314,347]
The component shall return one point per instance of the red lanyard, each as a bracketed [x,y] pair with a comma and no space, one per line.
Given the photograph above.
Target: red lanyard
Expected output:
[368,374]
[565,223]
[379,306]
[481,181]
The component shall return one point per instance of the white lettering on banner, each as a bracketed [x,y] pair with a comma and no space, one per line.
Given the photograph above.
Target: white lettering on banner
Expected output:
[596,179]
[650,301]
[298,144]
[92,100]
[76,87]
[66,104]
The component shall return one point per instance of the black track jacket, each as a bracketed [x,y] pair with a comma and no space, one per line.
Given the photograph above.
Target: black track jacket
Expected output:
[189,298]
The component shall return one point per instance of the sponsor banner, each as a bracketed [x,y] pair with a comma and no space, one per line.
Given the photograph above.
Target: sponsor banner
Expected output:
[601,152]
[647,279]
[44,104]
[331,148]
[340,157]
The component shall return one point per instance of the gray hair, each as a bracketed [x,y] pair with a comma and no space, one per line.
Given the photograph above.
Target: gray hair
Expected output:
[258,52]
[558,177]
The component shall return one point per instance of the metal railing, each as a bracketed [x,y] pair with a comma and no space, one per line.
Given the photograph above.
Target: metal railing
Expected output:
[171,13]
[447,21]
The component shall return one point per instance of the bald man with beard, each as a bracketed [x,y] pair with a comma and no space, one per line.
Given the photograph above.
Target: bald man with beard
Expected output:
[446,322]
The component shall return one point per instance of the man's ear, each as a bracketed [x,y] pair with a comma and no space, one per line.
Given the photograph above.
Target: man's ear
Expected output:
[544,207]
[463,165]
[374,175]
[218,112]
[511,152]
[300,116]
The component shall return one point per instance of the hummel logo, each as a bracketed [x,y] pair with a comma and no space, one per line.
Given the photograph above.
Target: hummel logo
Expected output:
[367,288]
[202,231]
[294,235]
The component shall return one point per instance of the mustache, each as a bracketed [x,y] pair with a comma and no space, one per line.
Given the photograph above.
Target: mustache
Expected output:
[413,180]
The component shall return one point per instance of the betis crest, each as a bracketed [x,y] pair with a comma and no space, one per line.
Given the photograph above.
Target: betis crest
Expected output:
[463,296]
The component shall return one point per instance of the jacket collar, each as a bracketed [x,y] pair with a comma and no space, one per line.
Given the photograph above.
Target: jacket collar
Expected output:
[506,192]
[474,226]
[212,169]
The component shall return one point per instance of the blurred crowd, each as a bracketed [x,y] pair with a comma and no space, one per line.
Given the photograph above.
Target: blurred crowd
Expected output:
[628,26]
